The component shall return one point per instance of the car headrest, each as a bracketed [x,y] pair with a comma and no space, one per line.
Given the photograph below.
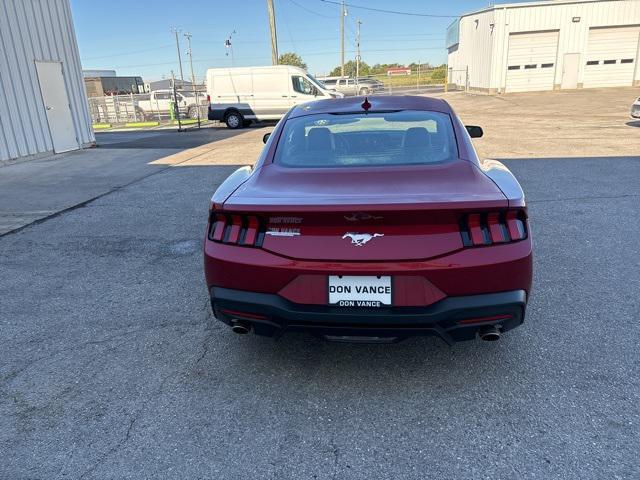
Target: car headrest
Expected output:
[416,137]
[320,138]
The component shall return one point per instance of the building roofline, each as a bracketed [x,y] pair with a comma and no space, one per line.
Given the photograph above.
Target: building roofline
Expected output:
[542,3]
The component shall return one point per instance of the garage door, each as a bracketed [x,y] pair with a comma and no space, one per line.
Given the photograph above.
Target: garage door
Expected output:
[531,61]
[611,56]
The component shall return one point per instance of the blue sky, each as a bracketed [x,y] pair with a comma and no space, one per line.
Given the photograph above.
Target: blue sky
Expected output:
[134,38]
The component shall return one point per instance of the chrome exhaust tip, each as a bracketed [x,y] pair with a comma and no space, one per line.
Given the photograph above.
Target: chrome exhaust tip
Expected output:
[240,328]
[489,334]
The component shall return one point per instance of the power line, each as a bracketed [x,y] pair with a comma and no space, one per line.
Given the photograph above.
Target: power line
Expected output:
[286,24]
[311,11]
[378,50]
[371,38]
[410,35]
[351,31]
[129,53]
[310,54]
[395,12]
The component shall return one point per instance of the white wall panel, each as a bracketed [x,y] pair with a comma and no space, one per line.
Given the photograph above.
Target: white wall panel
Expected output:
[475,50]
[507,19]
[33,30]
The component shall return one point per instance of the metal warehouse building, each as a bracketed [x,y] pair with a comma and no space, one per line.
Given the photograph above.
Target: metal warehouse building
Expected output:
[43,104]
[546,45]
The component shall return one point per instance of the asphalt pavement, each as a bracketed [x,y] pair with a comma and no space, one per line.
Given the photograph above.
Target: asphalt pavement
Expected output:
[35,190]
[112,366]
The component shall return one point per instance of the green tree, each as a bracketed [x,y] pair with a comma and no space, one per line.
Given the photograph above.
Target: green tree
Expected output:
[350,69]
[439,72]
[293,59]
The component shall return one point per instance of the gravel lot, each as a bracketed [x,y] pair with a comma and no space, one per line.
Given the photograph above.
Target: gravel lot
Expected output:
[112,366]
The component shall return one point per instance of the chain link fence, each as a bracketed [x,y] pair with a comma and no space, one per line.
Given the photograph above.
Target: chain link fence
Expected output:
[417,81]
[159,107]
[458,79]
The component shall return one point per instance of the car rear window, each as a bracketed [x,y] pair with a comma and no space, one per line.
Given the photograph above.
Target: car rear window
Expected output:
[367,139]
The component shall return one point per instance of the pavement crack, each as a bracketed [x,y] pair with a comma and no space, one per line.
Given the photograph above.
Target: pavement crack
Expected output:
[133,420]
[97,197]
[114,448]
[118,445]
[6,379]
[210,331]
[205,345]
[335,451]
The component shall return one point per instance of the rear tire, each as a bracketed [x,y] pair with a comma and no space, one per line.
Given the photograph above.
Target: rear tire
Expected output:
[140,115]
[234,120]
[193,113]
[364,91]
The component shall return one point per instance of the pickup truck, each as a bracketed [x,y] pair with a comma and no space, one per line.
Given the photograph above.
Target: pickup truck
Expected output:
[160,102]
[349,86]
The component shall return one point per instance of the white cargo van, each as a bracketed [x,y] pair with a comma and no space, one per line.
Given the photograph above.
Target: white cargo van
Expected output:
[241,95]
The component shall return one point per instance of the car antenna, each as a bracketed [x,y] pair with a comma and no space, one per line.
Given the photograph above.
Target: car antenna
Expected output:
[366,105]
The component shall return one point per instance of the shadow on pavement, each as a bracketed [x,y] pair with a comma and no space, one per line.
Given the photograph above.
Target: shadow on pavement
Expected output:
[159,139]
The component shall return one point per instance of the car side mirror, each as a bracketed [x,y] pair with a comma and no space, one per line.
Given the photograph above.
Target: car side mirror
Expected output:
[265,137]
[474,131]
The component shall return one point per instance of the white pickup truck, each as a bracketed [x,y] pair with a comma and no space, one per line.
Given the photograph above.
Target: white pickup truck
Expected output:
[160,102]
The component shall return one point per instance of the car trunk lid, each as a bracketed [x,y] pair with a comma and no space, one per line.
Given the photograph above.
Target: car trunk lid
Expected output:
[354,214]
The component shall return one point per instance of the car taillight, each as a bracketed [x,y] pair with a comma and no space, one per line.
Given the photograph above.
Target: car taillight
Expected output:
[480,229]
[209,98]
[236,229]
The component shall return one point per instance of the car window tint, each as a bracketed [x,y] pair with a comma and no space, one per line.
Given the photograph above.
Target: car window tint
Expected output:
[359,139]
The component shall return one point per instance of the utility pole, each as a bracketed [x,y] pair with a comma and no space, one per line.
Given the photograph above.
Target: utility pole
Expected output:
[174,106]
[343,14]
[175,31]
[193,77]
[274,35]
[358,51]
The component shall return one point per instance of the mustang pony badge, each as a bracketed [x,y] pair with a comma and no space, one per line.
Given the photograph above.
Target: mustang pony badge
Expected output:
[359,239]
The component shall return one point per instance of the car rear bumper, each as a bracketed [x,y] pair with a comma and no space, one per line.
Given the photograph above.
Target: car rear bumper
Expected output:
[635,111]
[453,319]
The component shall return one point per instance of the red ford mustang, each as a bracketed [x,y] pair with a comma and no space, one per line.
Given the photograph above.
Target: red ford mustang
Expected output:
[370,220]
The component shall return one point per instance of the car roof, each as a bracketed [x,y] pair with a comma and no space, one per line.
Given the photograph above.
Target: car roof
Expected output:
[378,103]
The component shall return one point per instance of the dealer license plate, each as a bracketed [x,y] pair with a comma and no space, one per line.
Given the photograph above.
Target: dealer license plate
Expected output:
[357,291]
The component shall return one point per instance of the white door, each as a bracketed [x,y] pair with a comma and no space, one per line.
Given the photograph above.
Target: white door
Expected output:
[302,90]
[570,67]
[611,56]
[56,104]
[531,61]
